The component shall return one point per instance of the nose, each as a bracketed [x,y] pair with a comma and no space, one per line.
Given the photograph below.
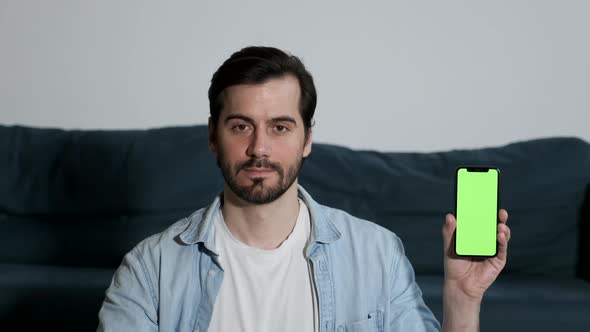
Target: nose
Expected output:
[260,146]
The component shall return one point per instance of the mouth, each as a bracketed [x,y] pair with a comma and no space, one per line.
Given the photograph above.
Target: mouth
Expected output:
[262,170]
[258,171]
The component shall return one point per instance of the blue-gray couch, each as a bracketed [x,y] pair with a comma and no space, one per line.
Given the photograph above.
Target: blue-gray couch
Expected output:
[72,203]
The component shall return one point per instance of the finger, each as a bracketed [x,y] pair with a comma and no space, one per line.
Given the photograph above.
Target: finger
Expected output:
[503,216]
[503,238]
[504,229]
[448,232]
[502,247]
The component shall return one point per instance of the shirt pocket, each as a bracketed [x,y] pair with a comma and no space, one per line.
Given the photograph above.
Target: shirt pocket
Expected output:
[374,322]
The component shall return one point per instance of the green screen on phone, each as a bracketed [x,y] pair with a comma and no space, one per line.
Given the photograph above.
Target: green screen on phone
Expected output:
[476,211]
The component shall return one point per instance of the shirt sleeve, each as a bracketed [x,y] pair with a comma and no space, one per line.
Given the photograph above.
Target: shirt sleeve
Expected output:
[130,303]
[408,310]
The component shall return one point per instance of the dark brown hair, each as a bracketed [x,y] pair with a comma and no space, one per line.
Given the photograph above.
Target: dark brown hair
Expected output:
[257,64]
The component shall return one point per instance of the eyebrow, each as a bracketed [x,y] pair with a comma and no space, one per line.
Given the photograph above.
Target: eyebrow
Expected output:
[284,118]
[239,117]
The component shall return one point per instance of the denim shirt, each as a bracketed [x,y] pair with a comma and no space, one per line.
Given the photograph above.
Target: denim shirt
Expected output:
[363,280]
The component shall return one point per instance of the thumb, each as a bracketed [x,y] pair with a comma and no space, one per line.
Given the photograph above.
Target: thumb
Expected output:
[448,232]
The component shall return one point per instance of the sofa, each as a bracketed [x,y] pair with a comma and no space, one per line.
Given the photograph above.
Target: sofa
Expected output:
[73,202]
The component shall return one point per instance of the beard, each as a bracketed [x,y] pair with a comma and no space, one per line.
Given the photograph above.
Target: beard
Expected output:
[259,192]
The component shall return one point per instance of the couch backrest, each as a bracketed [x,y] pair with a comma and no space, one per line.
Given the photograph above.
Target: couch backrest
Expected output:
[84,198]
[543,186]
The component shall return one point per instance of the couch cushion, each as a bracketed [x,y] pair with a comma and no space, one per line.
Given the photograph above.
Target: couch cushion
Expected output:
[523,303]
[542,186]
[101,172]
[63,299]
[76,240]
[85,198]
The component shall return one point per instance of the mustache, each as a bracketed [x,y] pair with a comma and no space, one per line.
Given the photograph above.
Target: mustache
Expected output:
[260,163]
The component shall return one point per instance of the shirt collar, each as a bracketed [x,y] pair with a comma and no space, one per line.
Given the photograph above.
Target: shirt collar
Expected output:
[200,228]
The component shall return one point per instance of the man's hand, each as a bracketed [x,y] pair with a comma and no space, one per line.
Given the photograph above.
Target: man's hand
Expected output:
[467,278]
[473,276]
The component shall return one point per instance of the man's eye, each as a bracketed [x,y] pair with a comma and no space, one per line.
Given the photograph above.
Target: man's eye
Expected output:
[240,127]
[281,128]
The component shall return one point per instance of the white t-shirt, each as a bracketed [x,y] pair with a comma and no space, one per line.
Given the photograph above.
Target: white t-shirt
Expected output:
[265,290]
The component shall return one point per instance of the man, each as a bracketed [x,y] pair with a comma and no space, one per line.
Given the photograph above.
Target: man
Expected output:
[264,256]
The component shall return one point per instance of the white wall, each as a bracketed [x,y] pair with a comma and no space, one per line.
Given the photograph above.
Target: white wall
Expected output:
[391,75]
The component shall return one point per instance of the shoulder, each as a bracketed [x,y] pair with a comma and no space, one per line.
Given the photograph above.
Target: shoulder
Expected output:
[356,231]
[168,240]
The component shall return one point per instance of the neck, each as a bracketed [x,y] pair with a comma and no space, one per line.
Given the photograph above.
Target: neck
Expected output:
[263,226]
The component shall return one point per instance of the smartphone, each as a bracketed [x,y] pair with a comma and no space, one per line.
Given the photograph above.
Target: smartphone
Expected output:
[476,211]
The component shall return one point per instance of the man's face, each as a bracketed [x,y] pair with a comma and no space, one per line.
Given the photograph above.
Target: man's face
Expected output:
[260,139]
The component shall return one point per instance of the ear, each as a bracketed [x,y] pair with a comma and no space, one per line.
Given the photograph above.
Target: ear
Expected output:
[307,146]
[212,135]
